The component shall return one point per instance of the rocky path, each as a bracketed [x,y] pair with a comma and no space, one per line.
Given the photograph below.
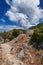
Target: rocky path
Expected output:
[8,58]
[18,52]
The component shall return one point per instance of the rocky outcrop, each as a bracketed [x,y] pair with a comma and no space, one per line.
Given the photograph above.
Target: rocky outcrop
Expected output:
[18,52]
[1,40]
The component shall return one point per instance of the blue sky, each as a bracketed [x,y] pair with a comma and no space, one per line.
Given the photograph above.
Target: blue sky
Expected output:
[20,14]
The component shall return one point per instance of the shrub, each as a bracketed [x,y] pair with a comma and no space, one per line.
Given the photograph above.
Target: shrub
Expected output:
[15,32]
[37,37]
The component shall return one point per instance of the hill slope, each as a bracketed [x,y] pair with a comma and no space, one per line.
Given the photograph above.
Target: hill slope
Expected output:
[18,52]
[8,36]
[37,37]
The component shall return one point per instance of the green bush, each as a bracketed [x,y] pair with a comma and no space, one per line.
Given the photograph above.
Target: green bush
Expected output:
[15,32]
[11,34]
[37,37]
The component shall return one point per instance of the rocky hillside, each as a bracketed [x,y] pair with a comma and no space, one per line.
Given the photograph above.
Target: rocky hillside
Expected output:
[19,52]
[8,36]
[16,47]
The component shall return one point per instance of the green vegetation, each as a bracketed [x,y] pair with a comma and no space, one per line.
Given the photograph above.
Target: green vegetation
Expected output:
[11,34]
[15,33]
[37,37]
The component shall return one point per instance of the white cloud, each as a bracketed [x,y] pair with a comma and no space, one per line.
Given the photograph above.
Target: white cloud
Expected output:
[3,20]
[1,27]
[9,27]
[24,12]
[41,13]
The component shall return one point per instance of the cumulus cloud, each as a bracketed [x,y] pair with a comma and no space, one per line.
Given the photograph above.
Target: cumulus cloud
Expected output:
[24,12]
[9,27]
[41,13]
